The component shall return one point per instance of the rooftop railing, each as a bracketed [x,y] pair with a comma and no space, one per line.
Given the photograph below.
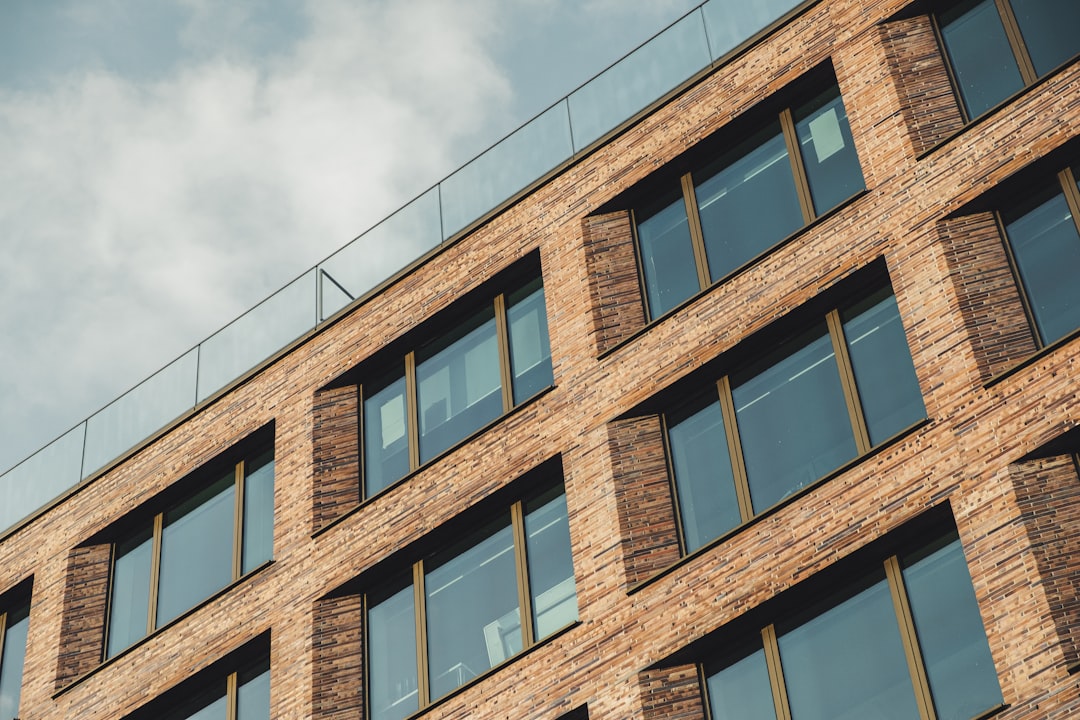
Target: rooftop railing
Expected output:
[700,39]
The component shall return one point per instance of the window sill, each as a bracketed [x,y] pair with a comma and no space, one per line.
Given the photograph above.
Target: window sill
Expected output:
[147,638]
[768,512]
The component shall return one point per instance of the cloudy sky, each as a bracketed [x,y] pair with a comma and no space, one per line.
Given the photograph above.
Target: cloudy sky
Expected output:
[166,164]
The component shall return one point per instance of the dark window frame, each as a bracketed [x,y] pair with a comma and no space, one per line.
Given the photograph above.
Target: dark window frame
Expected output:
[14,603]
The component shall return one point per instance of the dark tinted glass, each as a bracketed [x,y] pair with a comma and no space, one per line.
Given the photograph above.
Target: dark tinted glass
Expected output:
[1050,32]
[473,616]
[391,643]
[741,690]
[828,151]
[551,569]
[458,384]
[703,478]
[981,58]
[253,695]
[951,635]
[747,201]
[530,354]
[848,663]
[793,419]
[1046,245]
[386,441]
[129,601]
[667,254]
[196,549]
[888,389]
[12,657]
[258,511]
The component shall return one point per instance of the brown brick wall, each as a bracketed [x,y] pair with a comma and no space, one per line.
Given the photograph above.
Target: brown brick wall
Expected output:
[335,454]
[82,631]
[671,693]
[338,649]
[617,308]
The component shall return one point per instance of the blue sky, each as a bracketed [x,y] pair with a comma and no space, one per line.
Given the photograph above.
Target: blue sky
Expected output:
[169,163]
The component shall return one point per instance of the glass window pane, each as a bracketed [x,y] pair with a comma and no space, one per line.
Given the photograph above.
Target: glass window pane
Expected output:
[1046,245]
[741,691]
[551,567]
[1049,30]
[196,549]
[884,373]
[828,150]
[981,57]
[848,663]
[530,353]
[704,481]
[459,388]
[391,641]
[793,419]
[12,657]
[747,201]
[258,511]
[386,436]
[667,254]
[208,704]
[473,615]
[951,635]
[253,695]
[129,602]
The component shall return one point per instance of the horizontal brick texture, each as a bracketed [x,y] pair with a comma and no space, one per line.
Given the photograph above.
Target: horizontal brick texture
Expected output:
[335,454]
[671,693]
[614,288]
[338,647]
[85,602]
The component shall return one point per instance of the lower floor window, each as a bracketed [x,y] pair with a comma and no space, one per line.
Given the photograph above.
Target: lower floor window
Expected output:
[240,694]
[14,624]
[904,641]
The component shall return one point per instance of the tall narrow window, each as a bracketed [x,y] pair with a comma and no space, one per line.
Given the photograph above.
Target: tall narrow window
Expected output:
[192,548]
[780,423]
[14,625]
[904,641]
[734,207]
[1044,242]
[469,606]
[240,694]
[997,47]
[459,380]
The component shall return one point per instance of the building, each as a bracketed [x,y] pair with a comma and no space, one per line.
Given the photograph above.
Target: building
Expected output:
[764,404]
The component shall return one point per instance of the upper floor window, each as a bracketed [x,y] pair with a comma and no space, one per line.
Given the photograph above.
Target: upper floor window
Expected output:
[14,625]
[997,47]
[824,396]
[1044,243]
[226,691]
[766,181]
[193,544]
[905,640]
[475,601]
[475,367]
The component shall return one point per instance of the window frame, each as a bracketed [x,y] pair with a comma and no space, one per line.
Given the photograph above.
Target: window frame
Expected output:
[201,479]
[14,602]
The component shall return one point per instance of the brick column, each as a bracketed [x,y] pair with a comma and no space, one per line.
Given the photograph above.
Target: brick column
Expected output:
[338,655]
[82,628]
[614,286]
[336,454]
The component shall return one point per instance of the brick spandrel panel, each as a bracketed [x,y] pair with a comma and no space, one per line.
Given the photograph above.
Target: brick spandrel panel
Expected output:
[82,628]
[647,524]
[990,303]
[617,307]
[338,654]
[671,693]
[1048,496]
[336,454]
[930,109]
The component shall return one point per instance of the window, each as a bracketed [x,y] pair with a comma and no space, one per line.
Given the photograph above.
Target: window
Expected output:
[735,205]
[904,641]
[844,384]
[455,383]
[1044,246]
[997,47]
[14,625]
[241,692]
[469,605]
[193,546]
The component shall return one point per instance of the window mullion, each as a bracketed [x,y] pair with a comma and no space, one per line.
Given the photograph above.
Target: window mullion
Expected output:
[847,381]
[155,572]
[3,630]
[419,602]
[910,639]
[738,464]
[517,519]
[798,170]
[412,419]
[232,696]
[1016,42]
[503,340]
[1014,266]
[697,236]
[238,521]
[776,672]
[1072,194]
[362,443]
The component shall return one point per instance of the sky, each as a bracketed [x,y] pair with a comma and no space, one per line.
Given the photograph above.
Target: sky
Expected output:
[167,164]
